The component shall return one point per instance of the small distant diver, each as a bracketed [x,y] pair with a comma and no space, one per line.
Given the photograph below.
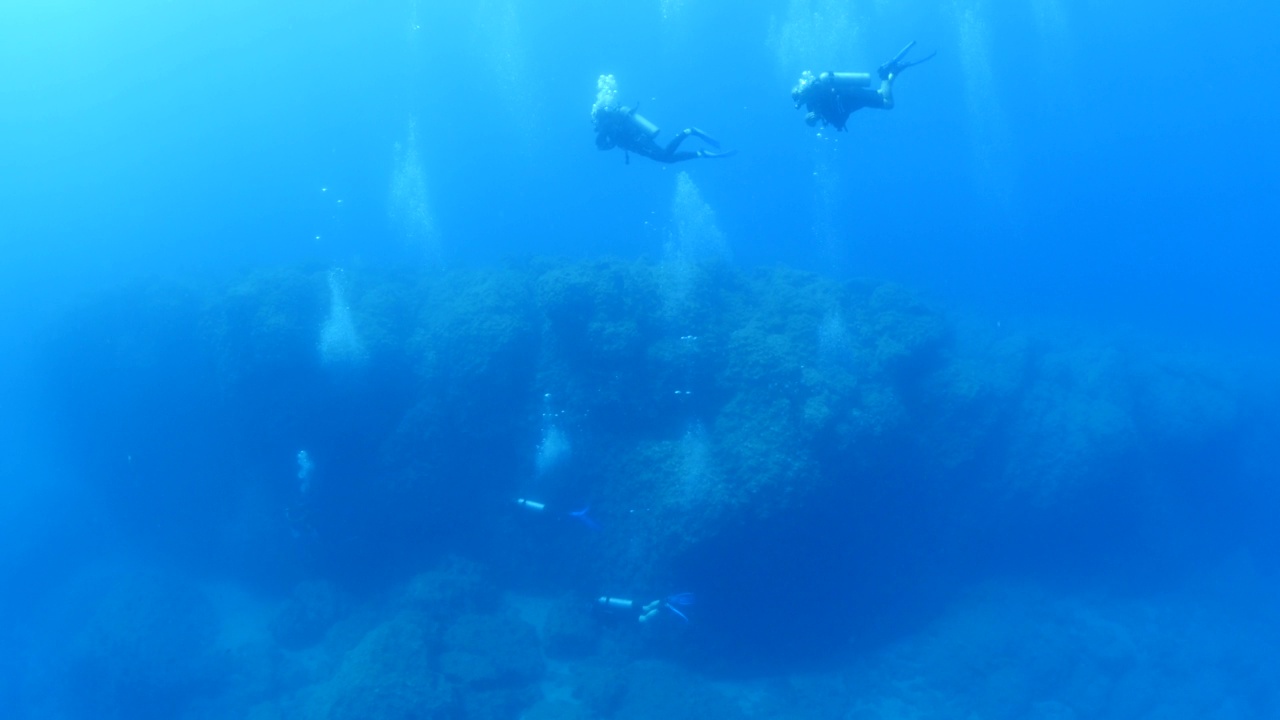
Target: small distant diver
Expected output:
[645,611]
[582,515]
[622,127]
[832,97]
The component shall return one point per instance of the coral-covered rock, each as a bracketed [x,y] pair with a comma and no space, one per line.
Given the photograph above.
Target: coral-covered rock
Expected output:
[455,588]
[557,710]
[307,614]
[496,660]
[714,414]
[1185,400]
[599,322]
[387,675]
[570,630]
[1021,652]
[266,327]
[904,333]
[658,690]
[1074,425]
[490,651]
[601,689]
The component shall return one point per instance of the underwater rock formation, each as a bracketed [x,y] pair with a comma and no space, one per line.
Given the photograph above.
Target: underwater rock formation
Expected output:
[387,675]
[1006,652]
[852,424]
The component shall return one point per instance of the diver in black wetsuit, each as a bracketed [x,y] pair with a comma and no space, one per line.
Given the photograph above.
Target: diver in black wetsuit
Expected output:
[623,127]
[833,96]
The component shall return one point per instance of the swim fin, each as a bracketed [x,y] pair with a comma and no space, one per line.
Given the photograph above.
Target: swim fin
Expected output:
[896,65]
[705,137]
[914,63]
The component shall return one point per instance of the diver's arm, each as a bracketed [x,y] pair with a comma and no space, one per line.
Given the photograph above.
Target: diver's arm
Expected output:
[605,141]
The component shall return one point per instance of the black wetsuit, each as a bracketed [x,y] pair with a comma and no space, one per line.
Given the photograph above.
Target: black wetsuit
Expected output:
[833,96]
[833,103]
[624,128]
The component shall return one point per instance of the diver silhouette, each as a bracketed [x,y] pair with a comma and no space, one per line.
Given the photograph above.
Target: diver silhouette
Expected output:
[622,127]
[832,97]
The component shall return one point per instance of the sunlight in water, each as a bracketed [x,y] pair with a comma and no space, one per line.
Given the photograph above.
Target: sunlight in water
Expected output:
[1061,88]
[695,241]
[499,37]
[340,344]
[671,9]
[409,208]
[1049,15]
[694,474]
[988,126]
[553,449]
[815,35]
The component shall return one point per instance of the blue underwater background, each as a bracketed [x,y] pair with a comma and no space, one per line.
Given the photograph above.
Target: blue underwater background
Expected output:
[342,376]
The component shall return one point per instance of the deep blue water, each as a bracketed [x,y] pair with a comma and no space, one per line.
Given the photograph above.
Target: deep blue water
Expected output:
[1086,194]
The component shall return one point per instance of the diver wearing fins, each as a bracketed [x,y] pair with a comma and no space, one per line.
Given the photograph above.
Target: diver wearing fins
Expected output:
[833,96]
[621,126]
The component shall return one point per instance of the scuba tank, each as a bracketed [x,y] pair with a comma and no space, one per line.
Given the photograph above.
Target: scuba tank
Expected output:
[639,123]
[844,80]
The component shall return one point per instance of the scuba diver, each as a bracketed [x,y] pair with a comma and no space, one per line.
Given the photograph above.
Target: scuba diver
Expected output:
[621,126]
[677,604]
[833,96]
[582,515]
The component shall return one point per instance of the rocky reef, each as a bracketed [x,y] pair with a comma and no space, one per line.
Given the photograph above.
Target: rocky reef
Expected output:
[819,460]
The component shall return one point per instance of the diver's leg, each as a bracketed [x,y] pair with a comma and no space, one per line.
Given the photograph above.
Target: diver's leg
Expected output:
[672,146]
[648,148]
[886,93]
[672,154]
[705,137]
[859,98]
